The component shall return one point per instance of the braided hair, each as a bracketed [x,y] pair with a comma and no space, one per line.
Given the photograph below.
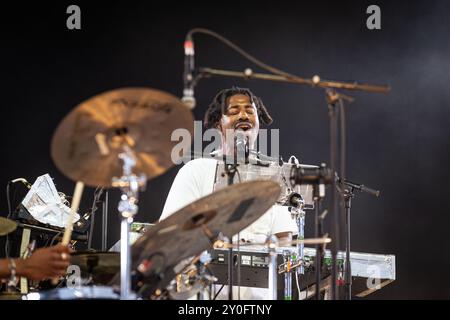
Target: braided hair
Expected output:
[218,107]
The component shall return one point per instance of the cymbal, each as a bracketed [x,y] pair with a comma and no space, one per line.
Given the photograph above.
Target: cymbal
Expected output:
[196,227]
[87,142]
[6,226]
[99,266]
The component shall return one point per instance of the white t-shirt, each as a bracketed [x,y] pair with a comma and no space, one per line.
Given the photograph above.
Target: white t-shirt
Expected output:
[196,180]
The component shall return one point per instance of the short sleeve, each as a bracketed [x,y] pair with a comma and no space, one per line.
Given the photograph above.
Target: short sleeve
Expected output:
[282,220]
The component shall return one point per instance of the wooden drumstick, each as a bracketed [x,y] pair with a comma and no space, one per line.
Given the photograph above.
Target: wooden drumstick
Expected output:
[73,210]
[69,225]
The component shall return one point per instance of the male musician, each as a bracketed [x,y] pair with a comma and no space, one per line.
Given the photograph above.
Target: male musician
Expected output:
[231,109]
[44,263]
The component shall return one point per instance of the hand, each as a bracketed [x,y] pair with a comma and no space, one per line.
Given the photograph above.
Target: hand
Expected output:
[45,263]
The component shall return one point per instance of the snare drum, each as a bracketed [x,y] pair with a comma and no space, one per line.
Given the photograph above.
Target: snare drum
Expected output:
[80,293]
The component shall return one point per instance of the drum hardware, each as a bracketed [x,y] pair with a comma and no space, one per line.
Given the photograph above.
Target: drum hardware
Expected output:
[208,220]
[130,184]
[129,125]
[193,279]
[318,177]
[290,262]
[80,293]
[273,269]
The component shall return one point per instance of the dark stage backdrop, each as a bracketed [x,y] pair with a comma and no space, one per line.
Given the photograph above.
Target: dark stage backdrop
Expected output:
[397,142]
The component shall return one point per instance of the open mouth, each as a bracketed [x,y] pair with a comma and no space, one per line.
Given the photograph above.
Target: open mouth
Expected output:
[243,126]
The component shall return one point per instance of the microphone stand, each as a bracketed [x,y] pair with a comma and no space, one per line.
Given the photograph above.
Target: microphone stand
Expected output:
[332,98]
[230,170]
[347,189]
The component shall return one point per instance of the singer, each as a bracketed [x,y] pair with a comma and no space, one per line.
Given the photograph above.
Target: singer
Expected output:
[237,110]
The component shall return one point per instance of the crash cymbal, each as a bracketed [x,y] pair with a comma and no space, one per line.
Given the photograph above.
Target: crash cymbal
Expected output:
[6,226]
[86,144]
[195,227]
[99,267]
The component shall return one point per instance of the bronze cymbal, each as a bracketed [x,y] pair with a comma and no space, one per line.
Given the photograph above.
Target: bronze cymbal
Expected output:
[195,227]
[99,267]
[6,226]
[86,144]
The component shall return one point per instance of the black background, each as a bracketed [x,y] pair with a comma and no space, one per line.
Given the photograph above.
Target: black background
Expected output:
[397,142]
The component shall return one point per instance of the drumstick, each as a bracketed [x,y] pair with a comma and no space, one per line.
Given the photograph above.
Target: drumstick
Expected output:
[73,210]
[69,225]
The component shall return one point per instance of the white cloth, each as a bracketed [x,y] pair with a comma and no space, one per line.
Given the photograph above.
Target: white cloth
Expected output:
[196,180]
[44,203]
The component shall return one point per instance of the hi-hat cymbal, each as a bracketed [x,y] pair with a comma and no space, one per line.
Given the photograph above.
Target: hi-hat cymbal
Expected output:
[86,144]
[195,227]
[6,226]
[99,267]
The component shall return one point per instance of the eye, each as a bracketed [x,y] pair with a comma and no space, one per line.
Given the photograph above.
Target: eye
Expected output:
[233,110]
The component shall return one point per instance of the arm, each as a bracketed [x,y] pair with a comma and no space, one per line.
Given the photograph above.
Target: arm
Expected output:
[283,225]
[43,264]
[185,189]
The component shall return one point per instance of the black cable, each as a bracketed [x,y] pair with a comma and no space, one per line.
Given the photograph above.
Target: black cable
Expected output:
[307,283]
[241,52]
[217,293]
[8,200]
[97,194]
[54,238]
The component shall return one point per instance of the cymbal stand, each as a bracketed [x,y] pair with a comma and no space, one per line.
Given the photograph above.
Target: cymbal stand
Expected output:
[273,268]
[130,184]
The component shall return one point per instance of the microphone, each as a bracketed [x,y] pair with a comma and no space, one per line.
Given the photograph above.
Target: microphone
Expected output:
[242,146]
[188,78]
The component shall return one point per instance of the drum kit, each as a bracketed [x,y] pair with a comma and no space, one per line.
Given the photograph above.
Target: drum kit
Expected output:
[120,139]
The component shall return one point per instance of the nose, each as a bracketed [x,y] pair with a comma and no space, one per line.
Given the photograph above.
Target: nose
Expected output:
[243,116]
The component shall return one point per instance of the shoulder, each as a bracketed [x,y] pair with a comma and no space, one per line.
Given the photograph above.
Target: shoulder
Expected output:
[200,164]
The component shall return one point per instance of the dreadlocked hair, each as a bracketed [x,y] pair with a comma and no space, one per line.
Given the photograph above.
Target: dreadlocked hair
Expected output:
[218,107]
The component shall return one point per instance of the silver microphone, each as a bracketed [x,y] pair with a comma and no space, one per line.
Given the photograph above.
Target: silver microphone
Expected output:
[242,146]
[188,77]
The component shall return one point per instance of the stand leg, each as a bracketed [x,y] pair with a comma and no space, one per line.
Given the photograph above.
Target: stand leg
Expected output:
[332,99]
[348,272]
[318,258]
[273,273]
[105,222]
[125,259]
[230,273]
